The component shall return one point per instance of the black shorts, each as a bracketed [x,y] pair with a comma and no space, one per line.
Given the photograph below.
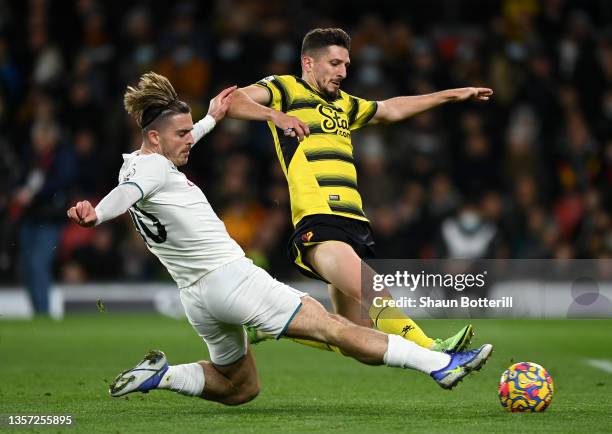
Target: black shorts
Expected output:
[317,228]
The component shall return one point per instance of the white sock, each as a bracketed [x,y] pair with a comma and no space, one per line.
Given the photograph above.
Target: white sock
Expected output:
[408,355]
[185,379]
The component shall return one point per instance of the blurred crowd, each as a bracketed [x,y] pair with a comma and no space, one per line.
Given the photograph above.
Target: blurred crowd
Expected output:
[526,175]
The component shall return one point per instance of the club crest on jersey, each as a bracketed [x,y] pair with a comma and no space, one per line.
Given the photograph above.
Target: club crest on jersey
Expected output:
[307,236]
[129,174]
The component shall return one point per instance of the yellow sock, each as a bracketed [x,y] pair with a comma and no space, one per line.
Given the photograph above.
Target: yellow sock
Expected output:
[393,321]
[319,345]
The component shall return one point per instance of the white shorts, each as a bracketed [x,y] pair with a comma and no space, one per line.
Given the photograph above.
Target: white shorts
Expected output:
[237,294]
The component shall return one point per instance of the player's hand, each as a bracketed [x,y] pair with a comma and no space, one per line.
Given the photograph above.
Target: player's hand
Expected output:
[472,93]
[291,127]
[83,214]
[220,104]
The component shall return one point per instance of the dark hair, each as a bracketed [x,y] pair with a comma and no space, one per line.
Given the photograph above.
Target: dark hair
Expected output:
[153,99]
[321,38]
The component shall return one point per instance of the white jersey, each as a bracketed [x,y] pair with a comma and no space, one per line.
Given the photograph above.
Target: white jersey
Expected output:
[176,220]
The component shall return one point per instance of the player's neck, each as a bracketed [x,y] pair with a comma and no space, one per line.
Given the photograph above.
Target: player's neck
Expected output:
[149,148]
[308,78]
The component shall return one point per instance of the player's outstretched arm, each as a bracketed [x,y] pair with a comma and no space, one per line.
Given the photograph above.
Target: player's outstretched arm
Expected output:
[216,111]
[402,107]
[220,104]
[249,103]
[115,203]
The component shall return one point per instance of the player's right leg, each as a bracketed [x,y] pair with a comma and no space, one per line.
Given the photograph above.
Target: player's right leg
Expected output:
[231,385]
[235,384]
[230,377]
[376,348]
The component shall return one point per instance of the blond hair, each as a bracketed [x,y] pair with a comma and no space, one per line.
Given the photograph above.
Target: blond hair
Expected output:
[152,99]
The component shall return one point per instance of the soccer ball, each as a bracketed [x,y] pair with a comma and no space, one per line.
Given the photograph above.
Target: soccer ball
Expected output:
[525,387]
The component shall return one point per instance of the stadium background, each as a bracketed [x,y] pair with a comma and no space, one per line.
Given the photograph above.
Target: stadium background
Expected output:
[533,165]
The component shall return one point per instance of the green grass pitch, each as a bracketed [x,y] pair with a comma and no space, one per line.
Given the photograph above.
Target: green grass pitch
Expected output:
[64,367]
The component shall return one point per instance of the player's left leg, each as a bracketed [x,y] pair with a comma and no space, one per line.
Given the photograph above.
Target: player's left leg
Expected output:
[373,347]
[343,305]
[322,345]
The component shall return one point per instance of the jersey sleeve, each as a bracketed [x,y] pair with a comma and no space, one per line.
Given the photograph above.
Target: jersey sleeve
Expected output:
[360,112]
[274,87]
[148,174]
[202,127]
[118,201]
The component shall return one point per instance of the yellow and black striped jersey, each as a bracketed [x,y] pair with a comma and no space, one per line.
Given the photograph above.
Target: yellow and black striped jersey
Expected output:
[320,170]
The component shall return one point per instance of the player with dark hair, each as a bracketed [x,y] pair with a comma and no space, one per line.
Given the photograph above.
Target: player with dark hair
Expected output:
[220,289]
[332,233]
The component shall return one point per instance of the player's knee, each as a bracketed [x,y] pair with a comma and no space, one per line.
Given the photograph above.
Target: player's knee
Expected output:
[242,395]
[250,394]
[240,398]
